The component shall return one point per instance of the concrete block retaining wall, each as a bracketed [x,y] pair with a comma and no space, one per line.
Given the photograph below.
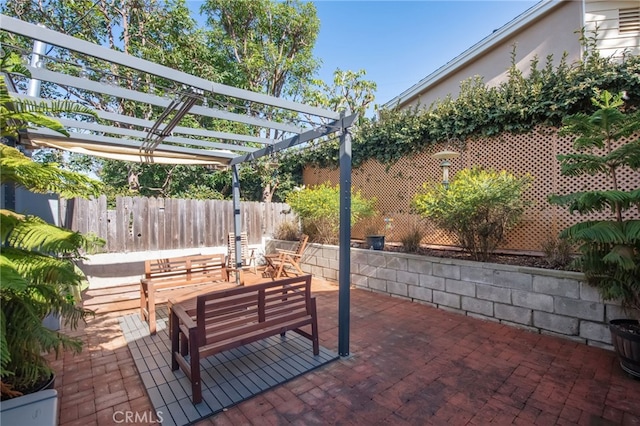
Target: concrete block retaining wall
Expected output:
[541,300]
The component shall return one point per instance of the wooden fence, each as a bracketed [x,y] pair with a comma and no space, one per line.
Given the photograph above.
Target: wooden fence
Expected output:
[141,224]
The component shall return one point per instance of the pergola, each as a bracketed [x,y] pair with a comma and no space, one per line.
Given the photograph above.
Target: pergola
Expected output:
[269,124]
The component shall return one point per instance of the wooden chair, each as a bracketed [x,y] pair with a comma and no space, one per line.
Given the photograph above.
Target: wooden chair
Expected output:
[283,262]
[248,255]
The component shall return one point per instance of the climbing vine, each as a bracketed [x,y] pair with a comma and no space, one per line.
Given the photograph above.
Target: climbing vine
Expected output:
[546,95]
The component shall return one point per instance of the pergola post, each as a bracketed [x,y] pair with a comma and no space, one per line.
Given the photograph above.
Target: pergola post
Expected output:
[237,221]
[36,62]
[344,259]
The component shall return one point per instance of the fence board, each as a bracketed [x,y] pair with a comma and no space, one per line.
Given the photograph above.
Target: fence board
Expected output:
[121,226]
[162,224]
[152,218]
[111,236]
[82,219]
[184,223]
[128,222]
[200,229]
[101,214]
[190,206]
[137,220]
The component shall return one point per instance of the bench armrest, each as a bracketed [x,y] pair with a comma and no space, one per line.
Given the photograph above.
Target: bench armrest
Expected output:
[183,316]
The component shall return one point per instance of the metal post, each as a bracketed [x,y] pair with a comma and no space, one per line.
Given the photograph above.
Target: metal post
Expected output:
[36,62]
[344,274]
[237,220]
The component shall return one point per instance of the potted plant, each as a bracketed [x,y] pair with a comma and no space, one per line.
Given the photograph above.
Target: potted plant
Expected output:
[609,248]
[38,275]
[374,237]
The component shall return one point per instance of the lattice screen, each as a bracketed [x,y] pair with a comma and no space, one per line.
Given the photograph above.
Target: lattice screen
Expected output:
[533,153]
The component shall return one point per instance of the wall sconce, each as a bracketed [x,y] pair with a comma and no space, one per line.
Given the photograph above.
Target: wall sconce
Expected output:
[445,156]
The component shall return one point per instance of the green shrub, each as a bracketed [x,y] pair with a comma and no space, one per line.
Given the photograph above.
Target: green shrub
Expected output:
[609,249]
[319,210]
[477,208]
[289,230]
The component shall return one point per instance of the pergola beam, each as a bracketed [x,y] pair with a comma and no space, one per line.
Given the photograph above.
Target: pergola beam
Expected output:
[159,101]
[140,122]
[298,139]
[106,140]
[55,38]
[123,131]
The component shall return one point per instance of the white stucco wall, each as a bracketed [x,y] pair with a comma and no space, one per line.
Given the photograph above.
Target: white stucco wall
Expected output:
[605,16]
[552,34]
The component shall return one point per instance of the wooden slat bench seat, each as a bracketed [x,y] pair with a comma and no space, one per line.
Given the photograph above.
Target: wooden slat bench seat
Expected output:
[179,278]
[226,319]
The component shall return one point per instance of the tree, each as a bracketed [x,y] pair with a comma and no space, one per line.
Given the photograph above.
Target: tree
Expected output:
[270,44]
[350,91]
[262,45]
[609,249]
[163,32]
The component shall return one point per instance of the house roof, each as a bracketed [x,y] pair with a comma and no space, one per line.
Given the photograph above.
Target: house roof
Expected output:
[477,50]
[158,99]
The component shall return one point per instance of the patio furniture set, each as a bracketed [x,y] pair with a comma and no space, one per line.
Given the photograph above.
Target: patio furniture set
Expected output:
[203,322]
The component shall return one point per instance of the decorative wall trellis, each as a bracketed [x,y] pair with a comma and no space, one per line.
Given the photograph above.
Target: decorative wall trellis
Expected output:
[533,153]
[141,224]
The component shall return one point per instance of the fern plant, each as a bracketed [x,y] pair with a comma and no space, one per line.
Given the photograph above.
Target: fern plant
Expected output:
[609,249]
[37,272]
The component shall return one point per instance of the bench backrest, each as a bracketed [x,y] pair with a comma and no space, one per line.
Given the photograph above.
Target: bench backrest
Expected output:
[211,264]
[223,312]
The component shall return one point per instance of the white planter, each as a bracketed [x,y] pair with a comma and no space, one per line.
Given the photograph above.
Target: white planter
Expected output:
[35,409]
[52,322]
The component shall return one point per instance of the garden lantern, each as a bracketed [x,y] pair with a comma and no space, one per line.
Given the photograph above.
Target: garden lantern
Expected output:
[445,156]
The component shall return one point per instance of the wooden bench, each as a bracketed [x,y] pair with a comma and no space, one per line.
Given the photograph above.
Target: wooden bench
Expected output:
[178,278]
[226,319]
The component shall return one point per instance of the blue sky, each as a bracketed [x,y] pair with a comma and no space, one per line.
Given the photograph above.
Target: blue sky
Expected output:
[400,42]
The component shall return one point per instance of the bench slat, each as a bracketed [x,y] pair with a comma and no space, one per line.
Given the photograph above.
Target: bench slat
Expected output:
[249,325]
[250,337]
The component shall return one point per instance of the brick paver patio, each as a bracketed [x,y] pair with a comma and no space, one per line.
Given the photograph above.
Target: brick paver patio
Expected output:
[410,364]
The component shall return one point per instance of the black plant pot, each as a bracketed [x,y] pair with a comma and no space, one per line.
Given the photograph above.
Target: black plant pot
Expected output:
[375,242]
[626,344]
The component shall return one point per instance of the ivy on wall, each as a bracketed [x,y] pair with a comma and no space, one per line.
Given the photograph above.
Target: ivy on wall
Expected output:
[545,96]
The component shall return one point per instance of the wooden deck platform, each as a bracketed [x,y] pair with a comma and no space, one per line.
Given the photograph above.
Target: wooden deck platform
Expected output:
[112,299]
